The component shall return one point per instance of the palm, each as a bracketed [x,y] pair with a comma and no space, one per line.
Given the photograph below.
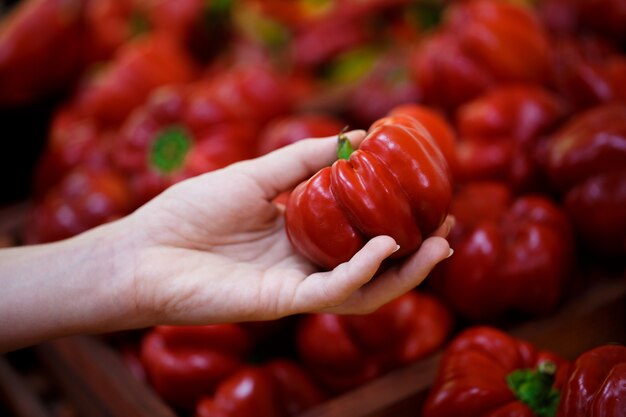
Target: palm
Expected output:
[239,224]
[239,232]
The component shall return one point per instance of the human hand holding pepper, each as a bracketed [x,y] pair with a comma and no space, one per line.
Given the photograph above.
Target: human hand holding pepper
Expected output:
[215,249]
[210,249]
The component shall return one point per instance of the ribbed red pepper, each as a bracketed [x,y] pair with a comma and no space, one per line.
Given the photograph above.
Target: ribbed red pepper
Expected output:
[481,43]
[596,384]
[397,183]
[586,163]
[510,254]
[279,388]
[343,352]
[486,372]
[183,363]
[500,131]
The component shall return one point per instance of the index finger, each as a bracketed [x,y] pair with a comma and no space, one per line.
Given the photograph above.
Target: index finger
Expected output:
[284,168]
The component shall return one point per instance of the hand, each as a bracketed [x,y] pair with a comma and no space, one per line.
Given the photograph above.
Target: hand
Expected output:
[210,249]
[214,249]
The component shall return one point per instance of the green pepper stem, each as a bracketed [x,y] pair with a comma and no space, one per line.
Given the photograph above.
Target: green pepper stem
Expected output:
[344,148]
[169,149]
[534,388]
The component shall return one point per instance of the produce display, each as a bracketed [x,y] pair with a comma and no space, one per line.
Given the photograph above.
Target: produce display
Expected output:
[511,253]
[365,347]
[484,371]
[509,115]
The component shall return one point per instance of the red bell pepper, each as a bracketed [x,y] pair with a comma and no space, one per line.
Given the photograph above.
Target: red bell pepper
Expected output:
[85,198]
[595,385]
[480,44]
[42,47]
[73,141]
[135,70]
[289,129]
[185,131]
[397,183]
[606,18]
[387,84]
[82,130]
[343,352]
[586,163]
[499,134]
[299,30]
[183,363]
[511,254]
[311,48]
[486,372]
[111,23]
[589,71]
[276,389]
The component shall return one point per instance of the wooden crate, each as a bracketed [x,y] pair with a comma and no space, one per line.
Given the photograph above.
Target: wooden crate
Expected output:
[94,380]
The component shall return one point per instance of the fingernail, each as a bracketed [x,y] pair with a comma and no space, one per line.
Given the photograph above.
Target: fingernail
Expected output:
[450,253]
[396,249]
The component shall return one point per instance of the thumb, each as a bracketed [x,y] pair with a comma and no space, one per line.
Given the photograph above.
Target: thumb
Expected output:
[284,168]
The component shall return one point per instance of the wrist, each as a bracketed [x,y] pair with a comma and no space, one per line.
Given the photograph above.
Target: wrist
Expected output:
[74,286]
[106,259]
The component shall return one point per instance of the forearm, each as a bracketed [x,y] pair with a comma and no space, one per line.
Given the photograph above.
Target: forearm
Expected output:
[69,287]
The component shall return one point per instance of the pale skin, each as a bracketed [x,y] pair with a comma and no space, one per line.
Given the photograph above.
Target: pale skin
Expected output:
[211,249]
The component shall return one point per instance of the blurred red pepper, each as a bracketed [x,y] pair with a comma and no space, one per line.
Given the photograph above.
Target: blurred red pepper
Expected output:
[397,183]
[190,23]
[302,13]
[183,363]
[311,48]
[289,129]
[84,199]
[499,134]
[81,131]
[486,372]
[387,84]
[560,17]
[510,254]
[42,47]
[586,163]
[183,132]
[606,18]
[595,385]
[112,23]
[343,352]
[73,141]
[298,31]
[481,43]
[113,90]
[276,389]
[589,71]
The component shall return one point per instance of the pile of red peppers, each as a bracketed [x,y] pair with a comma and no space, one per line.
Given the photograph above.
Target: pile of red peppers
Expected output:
[508,115]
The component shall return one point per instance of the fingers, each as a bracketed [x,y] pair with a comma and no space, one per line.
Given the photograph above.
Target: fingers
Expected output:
[324,290]
[410,274]
[396,281]
[284,168]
